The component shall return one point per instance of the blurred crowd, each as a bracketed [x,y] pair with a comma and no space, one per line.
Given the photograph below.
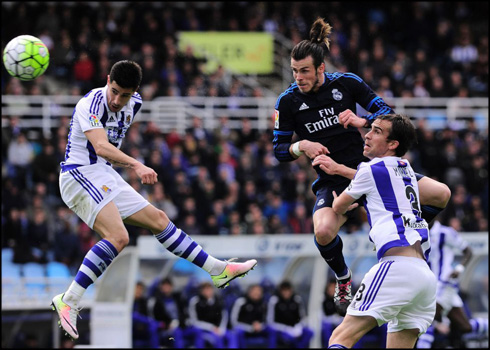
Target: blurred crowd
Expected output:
[227,181]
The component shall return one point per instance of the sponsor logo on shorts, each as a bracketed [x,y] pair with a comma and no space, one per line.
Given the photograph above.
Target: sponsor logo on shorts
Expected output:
[321,202]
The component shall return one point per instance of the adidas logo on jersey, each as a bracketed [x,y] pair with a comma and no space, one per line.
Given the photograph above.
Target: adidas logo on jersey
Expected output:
[303,106]
[112,119]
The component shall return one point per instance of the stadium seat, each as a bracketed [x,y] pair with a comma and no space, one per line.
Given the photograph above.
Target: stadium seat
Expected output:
[11,270]
[57,269]
[7,255]
[35,279]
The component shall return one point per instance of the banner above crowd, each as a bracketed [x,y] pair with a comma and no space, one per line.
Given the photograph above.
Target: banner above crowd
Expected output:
[240,52]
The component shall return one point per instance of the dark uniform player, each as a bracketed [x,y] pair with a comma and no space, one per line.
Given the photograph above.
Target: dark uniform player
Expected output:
[318,108]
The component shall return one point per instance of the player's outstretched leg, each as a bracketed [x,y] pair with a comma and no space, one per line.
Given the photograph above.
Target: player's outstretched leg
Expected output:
[222,272]
[232,271]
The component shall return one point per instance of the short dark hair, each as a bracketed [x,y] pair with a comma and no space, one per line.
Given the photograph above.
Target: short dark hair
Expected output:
[127,74]
[402,130]
[319,32]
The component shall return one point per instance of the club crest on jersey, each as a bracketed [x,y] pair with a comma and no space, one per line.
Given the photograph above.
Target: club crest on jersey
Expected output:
[128,118]
[94,121]
[106,189]
[401,163]
[276,119]
[337,95]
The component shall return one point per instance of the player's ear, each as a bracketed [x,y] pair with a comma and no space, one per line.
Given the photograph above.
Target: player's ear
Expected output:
[108,79]
[321,68]
[393,144]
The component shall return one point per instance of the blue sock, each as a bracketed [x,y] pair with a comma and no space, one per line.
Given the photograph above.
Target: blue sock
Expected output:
[337,346]
[93,265]
[180,244]
[332,253]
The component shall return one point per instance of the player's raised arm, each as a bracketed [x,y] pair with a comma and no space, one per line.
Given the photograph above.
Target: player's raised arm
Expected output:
[103,148]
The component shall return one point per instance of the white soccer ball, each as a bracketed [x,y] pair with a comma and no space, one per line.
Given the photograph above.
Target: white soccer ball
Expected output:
[26,57]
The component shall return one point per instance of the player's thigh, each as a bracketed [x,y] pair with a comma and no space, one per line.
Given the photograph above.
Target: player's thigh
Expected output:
[433,192]
[109,225]
[404,339]
[150,218]
[459,318]
[352,329]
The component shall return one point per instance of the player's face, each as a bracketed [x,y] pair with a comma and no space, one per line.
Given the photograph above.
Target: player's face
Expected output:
[306,76]
[377,143]
[117,97]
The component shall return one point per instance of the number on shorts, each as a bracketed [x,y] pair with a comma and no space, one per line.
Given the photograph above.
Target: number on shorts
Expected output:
[360,291]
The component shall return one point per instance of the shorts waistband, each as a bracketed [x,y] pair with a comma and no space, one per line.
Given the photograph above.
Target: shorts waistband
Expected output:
[68,167]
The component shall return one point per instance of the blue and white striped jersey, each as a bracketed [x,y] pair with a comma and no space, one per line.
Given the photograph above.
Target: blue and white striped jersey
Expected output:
[92,112]
[392,203]
[445,241]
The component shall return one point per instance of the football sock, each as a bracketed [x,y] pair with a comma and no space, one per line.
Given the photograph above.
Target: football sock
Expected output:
[429,212]
[336,346]
[425,340]
[180,244]
[332,253]
[93,265]
[479,326]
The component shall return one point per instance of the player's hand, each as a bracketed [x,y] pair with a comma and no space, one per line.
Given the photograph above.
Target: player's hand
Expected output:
[147,175]
[313,149]
[349,208]
[348,117]
[454,274]
[326,163]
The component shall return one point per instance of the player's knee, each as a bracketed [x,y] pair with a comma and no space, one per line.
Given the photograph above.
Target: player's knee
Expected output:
[161,221]
[120,241]
[325,233]
[445,195]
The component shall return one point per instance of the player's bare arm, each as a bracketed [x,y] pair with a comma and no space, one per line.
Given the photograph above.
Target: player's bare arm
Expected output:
[331,167]
[311,149]
[343,203]
[348,117]
[106,150]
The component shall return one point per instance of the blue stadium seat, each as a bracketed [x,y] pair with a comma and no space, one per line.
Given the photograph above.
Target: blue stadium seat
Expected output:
[57,269]
[11,270]
[35,278]
[7,255]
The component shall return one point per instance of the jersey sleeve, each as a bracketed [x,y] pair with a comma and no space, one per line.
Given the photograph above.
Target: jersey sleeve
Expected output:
[88,112]
[362,183]
[367,98]
[283,131]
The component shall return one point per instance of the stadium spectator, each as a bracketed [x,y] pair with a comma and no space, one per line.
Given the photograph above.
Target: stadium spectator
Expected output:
[286,315]
[19,158]
[329,316]
[209,319]
[145,328]
[168,309]
[248,319]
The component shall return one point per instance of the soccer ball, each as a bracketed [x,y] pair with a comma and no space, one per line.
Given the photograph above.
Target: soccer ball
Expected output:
[26,57]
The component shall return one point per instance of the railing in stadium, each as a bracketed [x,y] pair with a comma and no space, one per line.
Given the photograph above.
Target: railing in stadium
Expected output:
[176,113]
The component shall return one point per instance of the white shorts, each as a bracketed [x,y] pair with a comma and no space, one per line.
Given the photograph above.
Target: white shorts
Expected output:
[88,188]
[447,296]
[399,290]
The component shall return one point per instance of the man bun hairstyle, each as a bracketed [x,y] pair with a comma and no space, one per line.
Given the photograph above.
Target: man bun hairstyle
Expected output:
[402,130]
[315,47]
[127,74]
